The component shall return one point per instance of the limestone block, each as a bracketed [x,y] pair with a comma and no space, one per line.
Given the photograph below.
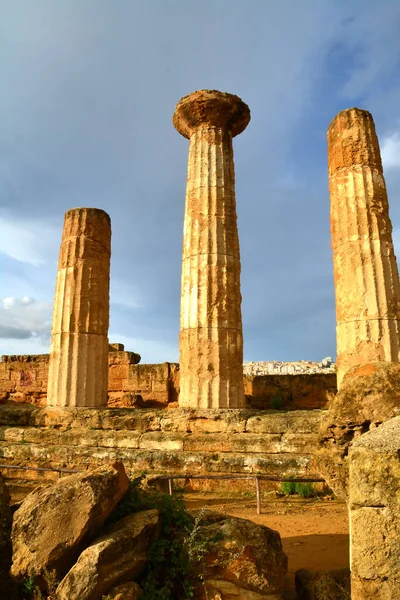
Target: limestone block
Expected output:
[11,434]
[118,555]
[242,557]
[118,439]
[218,421]
[294,422]
[374,513]
[374,589]
[53,524]
[375,543]
[375,477]
[161,441]
[207,443]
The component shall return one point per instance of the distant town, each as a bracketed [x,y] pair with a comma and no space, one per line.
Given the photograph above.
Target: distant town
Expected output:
[301,367]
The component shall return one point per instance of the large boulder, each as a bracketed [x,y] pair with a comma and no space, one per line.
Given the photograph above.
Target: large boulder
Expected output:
[6,584]
[369,395]
[329,585]
[54,524]
[239,559]
[117,556]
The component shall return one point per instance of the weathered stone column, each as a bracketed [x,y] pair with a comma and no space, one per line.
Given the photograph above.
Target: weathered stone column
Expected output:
[211,338]
[365,269]
[374,461]
[78,370]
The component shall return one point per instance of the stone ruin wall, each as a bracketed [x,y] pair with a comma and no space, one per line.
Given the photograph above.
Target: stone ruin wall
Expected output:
[160,442]
[24,379]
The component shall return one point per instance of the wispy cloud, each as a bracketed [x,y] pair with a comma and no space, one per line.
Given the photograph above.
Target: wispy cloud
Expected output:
[390,149]
[28,240]
[24,318]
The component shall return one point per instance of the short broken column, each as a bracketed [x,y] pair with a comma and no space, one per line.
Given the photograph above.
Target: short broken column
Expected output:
[211,337]
[374,461]
[365,269]
[78,368]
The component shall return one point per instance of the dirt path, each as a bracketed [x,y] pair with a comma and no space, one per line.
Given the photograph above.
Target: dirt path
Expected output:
[314,532]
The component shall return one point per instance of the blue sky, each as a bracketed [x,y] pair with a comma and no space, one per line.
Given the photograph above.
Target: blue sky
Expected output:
[89,89]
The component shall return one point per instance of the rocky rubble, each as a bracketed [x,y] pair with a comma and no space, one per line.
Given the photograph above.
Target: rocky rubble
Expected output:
[79,535]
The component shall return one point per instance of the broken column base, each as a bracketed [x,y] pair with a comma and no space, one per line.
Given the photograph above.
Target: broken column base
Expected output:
[369,396]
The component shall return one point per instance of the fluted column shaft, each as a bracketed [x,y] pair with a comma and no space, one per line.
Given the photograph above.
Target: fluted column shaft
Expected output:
[78,370]
[211,338]
[365,270]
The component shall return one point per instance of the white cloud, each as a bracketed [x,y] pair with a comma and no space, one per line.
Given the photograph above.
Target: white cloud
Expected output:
[24,318]
[390,150]
[10,301]
[30,241]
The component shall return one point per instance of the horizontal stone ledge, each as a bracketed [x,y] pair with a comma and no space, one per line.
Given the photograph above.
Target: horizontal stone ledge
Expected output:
[157,461]
[292,443]
[178,419]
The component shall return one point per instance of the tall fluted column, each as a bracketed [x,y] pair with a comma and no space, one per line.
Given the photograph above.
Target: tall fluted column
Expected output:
[365,269]
[78,371]
[211,337]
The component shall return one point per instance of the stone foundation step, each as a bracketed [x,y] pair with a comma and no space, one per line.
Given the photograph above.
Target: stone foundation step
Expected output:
[263,442]
[158,461]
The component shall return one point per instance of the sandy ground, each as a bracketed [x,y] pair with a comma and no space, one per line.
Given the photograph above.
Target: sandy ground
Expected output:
[314,532]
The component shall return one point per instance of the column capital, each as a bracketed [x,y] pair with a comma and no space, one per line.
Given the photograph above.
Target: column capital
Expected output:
[211,108]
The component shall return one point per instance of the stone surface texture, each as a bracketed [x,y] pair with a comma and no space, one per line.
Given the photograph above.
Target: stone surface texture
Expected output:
[6,584]
[211,337]
[243,560]
[329,585]
[369,396]
[374,462]
[126,591]
[53,524]
[365,270]
[120,554]
[78,368]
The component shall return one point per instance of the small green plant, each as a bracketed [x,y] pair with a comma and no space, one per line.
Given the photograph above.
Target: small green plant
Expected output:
[305,489]
[288,488]
[169,573]
[29,585]
[32,591]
